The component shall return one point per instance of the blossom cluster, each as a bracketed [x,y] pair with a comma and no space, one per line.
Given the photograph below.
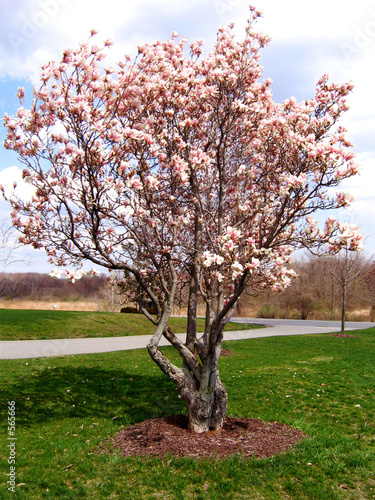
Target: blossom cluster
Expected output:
[349,237]
[74,275]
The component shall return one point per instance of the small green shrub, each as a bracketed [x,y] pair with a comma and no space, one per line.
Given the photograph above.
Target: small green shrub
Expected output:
[129,310]
[268,311]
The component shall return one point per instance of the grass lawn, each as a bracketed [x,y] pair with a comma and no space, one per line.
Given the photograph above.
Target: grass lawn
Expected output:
[29,324]
[67,406]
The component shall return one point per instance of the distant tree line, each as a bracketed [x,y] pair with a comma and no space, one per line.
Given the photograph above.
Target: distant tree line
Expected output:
[328,287]
[331,287]
[42,286]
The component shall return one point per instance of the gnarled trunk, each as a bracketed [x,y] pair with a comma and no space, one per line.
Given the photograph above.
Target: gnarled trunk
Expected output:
[208,408]
[198,384]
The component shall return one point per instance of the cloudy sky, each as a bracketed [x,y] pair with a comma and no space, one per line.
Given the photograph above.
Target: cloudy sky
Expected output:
[309,39]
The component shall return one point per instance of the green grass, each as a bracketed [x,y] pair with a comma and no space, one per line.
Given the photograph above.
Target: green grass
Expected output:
[21,324]
[67,407]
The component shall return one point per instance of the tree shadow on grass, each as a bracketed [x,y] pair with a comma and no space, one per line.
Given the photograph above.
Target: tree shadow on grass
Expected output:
[61,392]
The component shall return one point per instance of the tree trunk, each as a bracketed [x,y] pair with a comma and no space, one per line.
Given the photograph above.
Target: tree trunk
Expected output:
[343,307]
[198,382]
[191,332]
[372,312]
[203,392]
[209,407]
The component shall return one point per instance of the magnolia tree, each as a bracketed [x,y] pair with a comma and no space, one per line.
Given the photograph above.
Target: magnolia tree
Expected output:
[175,169]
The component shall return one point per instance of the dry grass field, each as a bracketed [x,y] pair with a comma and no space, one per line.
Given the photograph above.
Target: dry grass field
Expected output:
[246,311]
[46,305]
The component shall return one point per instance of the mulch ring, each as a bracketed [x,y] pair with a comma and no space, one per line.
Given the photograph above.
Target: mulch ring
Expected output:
[342,335]
[169,436]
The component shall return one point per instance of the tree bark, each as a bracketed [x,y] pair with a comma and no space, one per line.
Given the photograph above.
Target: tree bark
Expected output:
[343,306]
[197,381]
[202,391]
[191,333]
[209,407]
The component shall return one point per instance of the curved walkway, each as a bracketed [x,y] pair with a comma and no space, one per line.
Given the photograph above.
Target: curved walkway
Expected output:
[22,349]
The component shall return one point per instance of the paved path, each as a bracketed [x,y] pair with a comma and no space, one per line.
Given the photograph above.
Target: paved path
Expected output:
[21,349]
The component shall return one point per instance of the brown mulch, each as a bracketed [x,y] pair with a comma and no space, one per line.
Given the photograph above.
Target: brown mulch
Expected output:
[226,352]
[169,436]
[342,335]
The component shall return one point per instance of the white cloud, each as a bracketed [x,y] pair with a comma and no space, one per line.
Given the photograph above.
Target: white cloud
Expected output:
[313,18]
[361,186]
[32,33]
[11,178]
[362,210]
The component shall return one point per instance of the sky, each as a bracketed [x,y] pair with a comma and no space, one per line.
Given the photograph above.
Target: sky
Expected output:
[309,38]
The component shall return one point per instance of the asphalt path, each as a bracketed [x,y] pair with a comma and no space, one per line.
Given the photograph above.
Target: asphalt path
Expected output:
[23,349]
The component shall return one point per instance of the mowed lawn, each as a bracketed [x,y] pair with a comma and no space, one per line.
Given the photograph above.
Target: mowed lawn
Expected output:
[67,408]
[21,324]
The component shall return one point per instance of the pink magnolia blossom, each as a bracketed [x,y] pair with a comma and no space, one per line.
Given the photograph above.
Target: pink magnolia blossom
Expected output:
[152,182]
[218,276]
[56,273]
[135,183]
[237,270]
[344,199]
[233,234]
[350,237]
